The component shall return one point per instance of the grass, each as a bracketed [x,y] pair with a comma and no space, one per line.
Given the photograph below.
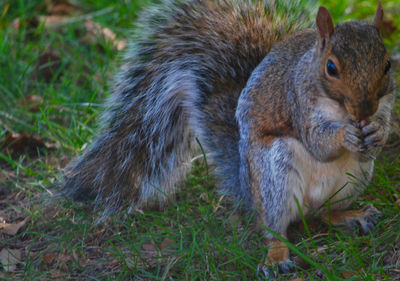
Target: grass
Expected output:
[53,81]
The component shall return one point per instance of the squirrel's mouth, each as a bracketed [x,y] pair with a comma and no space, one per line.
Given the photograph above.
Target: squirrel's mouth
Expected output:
[362,112]
[359,123]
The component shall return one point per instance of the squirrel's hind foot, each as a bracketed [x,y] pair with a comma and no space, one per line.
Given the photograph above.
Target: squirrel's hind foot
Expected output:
[270,272]
[277,261]
[366,218]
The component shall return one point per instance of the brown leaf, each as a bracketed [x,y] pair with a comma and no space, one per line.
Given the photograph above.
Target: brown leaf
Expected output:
[64,257]
[31,102]
[149,247]
[12,228]
[15,23]
[235,219]
[61,9]
[49,258]
[110,36]
[25,23]
[9,259]
[22,142]
[56,274]
[47,66]
[96,30]
[167,244]
[53,21]
[348,274]
[3,179]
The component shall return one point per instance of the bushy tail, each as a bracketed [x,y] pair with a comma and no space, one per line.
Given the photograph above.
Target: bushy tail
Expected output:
[182,78]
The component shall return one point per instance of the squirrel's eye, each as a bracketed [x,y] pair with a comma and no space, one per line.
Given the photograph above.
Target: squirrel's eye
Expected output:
[387,67]
[331,69]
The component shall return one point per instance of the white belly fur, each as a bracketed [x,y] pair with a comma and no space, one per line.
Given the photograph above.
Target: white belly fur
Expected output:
[316,181]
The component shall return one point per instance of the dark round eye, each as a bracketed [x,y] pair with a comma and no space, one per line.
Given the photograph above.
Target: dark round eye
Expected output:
[387,67]
[331,69]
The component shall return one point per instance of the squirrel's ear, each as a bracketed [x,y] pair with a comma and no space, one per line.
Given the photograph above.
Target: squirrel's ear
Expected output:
[378,17]
[324,24]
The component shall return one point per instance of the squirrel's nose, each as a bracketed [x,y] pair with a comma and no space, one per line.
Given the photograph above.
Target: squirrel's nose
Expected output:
[365,109]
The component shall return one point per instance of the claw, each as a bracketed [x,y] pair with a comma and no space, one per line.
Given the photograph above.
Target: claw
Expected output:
[264,273]
[270,272]
[369,129]
[368,219]
[352,138]
[286,266]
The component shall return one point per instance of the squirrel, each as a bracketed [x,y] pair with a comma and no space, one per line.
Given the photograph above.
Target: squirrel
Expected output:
[284,114]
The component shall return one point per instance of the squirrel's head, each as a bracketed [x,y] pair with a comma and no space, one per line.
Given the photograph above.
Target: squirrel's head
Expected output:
[353,64]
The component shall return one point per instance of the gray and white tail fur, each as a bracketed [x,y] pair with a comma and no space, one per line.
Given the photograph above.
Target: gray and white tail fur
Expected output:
[181,80]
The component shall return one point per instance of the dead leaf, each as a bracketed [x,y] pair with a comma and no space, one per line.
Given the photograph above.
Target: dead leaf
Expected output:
[53,21]
[47,65]
[31,102]
[296,279]
[12,228]
[109,35]
[9,259]
[348,274]
[60,7]
[95,30]
[22,142]
[235,219]
[56,274]
[25,23]
[49,258]
[167,244]
[3,179]
[64,258]
[149,247]
[16,23]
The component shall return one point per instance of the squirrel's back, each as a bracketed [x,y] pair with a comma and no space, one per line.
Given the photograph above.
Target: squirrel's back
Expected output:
[182,77]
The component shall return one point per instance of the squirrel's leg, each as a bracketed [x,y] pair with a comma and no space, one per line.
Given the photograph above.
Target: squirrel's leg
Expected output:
[374,134]
[276,185]
[366,218]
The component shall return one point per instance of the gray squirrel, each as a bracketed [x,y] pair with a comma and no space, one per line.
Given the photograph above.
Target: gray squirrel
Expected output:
[283,113]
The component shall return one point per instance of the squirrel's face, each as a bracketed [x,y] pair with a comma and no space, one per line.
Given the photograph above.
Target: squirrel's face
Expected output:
[354,68]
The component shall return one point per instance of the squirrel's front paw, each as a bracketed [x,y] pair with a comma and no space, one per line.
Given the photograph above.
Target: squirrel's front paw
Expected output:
[373,136]
[352,138]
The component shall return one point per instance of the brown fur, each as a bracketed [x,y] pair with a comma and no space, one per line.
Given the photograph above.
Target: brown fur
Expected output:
[277,253]
[257,95]
[340,217]
[323,101]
